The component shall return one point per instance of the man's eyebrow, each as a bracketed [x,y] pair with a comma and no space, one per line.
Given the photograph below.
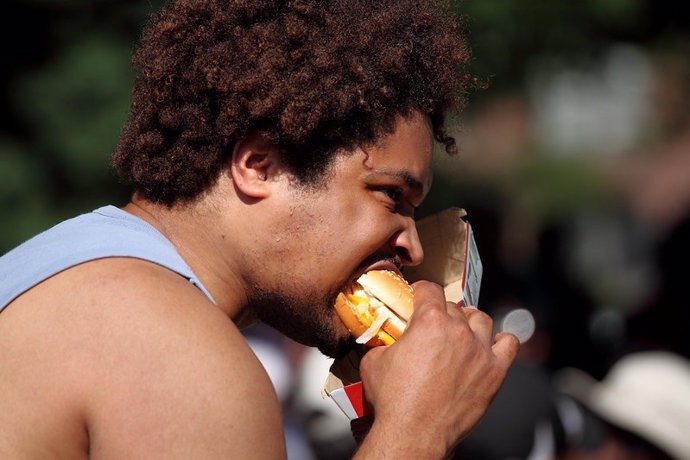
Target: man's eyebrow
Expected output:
[403,174]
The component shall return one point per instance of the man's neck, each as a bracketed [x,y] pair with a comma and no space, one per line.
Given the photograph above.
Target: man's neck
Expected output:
[202,243]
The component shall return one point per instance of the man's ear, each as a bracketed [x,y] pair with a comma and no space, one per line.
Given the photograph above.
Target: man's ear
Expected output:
[254,163]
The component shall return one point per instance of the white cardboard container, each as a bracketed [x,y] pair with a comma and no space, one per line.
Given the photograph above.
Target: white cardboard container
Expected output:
[451,259]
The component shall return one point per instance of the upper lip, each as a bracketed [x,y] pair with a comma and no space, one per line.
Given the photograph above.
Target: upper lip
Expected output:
[379,265]
[383,264]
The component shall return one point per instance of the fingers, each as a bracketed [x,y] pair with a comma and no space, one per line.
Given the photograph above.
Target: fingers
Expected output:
[447,347]
[370,359]
[428,298]
[506,347]
[480,323]
[372,355]
[453,309]
[427,295]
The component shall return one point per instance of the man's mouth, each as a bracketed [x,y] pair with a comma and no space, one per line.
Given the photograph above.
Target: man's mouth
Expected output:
[378,262]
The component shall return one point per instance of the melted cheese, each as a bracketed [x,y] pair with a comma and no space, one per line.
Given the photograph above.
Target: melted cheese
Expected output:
[373,312]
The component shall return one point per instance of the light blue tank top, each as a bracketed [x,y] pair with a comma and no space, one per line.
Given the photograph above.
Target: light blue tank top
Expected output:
[105,232]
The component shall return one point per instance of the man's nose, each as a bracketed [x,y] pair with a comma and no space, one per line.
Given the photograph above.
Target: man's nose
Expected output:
[408,248]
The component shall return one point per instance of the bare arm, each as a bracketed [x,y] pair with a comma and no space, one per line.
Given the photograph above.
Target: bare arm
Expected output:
[433,386]
[140,364]
[179,381]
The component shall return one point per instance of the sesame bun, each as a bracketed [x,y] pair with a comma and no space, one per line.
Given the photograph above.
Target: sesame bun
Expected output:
[391,289]
[377,308]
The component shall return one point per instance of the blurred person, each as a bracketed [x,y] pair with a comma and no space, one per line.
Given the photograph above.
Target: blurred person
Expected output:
[639,411]
[655,180]
[569,339]
[521,423]
[276,151]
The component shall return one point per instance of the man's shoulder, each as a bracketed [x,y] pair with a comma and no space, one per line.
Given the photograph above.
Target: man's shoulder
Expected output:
[148,359]
[106,233]
[140,316]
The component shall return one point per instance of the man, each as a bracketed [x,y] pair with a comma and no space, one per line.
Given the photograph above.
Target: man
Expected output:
[276,150]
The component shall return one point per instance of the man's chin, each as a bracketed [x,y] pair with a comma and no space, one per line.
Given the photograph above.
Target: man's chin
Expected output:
[337,348]
[309,323]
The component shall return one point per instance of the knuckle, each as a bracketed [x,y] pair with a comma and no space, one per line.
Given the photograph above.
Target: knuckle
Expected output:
[424,284]
[513,341]
[514,344]
[433,317]
[478,315]
[367,361]
[460,331]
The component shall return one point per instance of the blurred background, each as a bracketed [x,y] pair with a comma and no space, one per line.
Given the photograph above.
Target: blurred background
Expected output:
[574,167]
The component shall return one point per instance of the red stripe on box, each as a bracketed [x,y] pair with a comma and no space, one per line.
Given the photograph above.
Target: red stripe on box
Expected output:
[355,393]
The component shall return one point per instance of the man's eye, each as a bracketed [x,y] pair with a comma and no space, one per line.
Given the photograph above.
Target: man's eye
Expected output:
[393,193]
[398,203]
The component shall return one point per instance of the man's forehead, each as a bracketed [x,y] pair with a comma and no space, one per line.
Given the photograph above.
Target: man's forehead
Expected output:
[405,154]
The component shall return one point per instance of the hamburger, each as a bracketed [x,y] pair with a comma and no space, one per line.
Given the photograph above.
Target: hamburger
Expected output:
[376,308]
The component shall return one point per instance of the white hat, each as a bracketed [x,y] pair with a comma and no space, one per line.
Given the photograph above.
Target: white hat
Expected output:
[646,393]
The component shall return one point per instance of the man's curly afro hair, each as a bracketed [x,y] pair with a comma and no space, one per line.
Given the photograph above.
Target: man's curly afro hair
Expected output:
[312,77]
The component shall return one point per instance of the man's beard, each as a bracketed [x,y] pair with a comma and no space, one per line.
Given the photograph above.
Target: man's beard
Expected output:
[306,318]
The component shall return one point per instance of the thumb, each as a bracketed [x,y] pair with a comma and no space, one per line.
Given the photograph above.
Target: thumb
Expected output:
[427,296]
[370,359]
[506,347]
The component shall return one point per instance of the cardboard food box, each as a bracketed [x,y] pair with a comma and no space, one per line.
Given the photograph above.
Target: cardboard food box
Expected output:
[451,260]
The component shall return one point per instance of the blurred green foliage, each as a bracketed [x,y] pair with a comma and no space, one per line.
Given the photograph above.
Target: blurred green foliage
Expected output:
[66,81]
[74,105]
[507,35]
[66,94]
[557,188]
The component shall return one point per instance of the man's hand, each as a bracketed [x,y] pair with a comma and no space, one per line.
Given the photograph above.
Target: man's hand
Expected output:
[432,387]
